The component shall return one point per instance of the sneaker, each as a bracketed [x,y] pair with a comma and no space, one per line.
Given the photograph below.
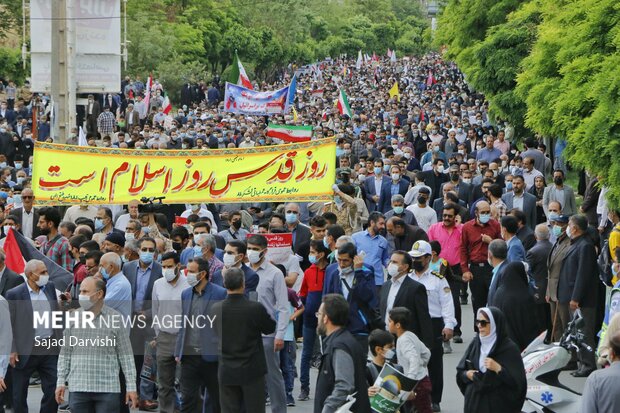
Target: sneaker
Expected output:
[304,395]
[447,349]
[290,402]
[435,407]
[457,339]
[267,401]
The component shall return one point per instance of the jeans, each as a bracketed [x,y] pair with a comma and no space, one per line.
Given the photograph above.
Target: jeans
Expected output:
[87,402]
[307,349]
[287,364]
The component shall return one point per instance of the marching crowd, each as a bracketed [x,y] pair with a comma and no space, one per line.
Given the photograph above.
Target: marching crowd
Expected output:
[435,206]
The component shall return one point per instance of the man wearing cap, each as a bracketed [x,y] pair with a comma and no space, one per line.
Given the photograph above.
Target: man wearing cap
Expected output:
[114,242]
[441,309]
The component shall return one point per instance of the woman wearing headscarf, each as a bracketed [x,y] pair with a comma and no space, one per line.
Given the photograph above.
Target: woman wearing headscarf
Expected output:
[515,301]
[491,375]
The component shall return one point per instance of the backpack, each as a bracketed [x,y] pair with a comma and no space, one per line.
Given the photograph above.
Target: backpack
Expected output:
[604,262]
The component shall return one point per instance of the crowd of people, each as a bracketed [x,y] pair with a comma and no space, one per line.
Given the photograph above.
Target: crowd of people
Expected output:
[435,207]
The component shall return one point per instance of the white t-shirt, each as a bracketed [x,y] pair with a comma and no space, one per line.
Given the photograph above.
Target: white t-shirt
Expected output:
[425,216]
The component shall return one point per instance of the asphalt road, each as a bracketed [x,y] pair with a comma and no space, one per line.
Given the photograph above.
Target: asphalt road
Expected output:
[452,398]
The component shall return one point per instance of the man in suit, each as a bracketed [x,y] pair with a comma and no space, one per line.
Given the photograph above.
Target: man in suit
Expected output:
[132,117]
[240,325]
[590,201]
[578,285]
[142,274]
[403,291]
[197,346]
[561,193]
[8,279]
[397,186]
[349,278]
[29,352]
[93,109]
[402,236]
[113,101]
[462,189]
[554,265]
[435,178]
[374,187]
[9,114]
[520,199]
[28,215]
[235,254]
[497,253]
[509,228]
[524,233]
[301,233]
[537,258]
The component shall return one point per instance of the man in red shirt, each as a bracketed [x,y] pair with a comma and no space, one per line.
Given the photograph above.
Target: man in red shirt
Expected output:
[475,238]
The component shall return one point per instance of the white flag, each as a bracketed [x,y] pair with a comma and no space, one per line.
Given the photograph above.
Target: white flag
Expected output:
[82,138]
[358,64]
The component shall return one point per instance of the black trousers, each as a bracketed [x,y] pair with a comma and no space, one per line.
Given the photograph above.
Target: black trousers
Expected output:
[455,288]
[196,372]
[46,366]
[435,364]
[250,396]
[480,284]
[6,398]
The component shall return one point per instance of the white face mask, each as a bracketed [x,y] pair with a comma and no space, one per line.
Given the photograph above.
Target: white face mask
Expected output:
[129,236]
[43,280]
[254,256]
[230,260]
[85,302]
[192,279]
[392,269]
[6,229]
[169,274]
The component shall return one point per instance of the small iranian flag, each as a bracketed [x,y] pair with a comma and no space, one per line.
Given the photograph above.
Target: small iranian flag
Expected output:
[238,75]
[343,104]
[166,105]
[290,133]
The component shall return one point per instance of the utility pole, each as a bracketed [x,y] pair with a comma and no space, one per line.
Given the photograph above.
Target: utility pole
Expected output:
[63,69]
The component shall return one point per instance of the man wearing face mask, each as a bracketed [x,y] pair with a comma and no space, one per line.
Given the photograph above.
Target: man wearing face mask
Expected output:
[273,295]
[441,309]
[167,302]
[197,345]
[56,247]
[104,222]
[235,254]
[30,354]
[142,275]
[234,231]
[435,178]
[301,233]
[398,210]
[476,236]
[205,247]
[374,187]
[100,392]
[561,193]
[424,214]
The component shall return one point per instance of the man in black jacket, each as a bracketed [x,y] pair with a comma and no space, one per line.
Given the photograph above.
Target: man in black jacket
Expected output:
[8,279]
[402,236]
[343,363]
[578,287]
[242,367]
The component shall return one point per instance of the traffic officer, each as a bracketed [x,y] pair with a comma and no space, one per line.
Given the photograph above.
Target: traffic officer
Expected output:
[441,308]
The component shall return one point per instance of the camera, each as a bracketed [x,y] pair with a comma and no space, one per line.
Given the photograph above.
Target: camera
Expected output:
[150,207]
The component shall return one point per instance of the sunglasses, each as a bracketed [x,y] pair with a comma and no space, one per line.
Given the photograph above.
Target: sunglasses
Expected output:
[482,323]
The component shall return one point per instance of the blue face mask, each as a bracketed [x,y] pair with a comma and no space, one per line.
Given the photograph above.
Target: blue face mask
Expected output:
[557,230]
[484,218]
[312,259]
[104,273]
[325,243]
[291,218]
[146,257]
[339,151]
[98,224]
[509,186]
[398,210]
[197,251]
[386,168]
[377,170]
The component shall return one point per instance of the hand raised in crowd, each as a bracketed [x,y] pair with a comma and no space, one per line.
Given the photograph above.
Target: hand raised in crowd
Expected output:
[358,262]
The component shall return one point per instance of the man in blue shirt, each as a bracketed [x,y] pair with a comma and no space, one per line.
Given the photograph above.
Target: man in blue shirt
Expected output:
[510,226]
[489,153]
[374,246]
[118,288]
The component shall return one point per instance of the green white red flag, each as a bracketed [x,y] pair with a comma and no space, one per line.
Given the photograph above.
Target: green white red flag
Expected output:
[290,133]
[343,104]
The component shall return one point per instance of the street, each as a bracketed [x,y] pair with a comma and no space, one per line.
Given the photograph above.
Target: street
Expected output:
[452,397]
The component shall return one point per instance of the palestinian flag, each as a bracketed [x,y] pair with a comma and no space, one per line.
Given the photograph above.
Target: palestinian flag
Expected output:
[20,250]
[290,133]
[166,105]
[343,104]
[238,75]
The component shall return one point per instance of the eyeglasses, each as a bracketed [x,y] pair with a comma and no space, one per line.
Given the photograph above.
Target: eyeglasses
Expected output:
[27,197]
[292,212]
[482,323]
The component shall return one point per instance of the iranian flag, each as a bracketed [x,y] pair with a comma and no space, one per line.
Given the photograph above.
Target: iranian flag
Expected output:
[166,105]
[343,104]
[238,75]
[147,92]
[290,133]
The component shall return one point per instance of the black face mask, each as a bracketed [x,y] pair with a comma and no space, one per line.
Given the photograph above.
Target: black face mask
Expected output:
[454,177]
[558,181]
[418,265]
[236,224]
[421,199]
[83,259]
[177,246]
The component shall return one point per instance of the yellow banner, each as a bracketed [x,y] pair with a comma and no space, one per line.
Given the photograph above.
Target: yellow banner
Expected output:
[67,174]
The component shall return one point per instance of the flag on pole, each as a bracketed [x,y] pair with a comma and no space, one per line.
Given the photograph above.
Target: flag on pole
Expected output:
[343,104]
[374,57]
[82,138]
[389,53]
[430,81]
[166,105]
[19,250]
[290,133]
[394,91]
[238,75]
[147,93]
[292,90]
[344,71]
[358,64]
[393,56]
[295,115]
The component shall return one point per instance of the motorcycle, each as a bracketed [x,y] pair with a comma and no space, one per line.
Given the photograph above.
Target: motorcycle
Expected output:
[543,364]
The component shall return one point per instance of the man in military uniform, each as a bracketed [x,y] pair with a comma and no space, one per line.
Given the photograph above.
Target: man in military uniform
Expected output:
[441,308]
